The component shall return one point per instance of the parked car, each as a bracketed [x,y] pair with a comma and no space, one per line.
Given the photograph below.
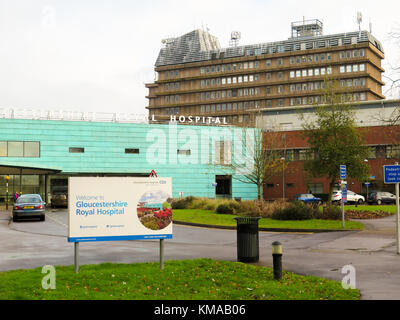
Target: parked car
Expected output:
[351,197]
[29,206]
[308,198]
[59,200]
[380,197]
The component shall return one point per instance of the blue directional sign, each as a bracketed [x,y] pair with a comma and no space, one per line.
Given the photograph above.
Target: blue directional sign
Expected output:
[367,184]
[344,192]
[342,172]
[391,174]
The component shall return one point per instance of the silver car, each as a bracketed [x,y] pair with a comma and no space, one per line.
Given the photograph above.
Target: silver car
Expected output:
[29,206]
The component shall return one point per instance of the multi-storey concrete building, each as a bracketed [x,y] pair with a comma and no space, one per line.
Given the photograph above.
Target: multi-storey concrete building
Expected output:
[195,76]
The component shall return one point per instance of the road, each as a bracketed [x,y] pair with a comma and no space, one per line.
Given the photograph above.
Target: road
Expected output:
[372,252]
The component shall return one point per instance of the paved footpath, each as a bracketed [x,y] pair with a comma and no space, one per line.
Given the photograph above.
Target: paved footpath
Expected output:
[372,252]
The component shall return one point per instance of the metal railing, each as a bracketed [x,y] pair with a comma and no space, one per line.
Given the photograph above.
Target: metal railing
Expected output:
[40,114]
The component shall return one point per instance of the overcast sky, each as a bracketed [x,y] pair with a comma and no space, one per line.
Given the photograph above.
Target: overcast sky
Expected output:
[96,55]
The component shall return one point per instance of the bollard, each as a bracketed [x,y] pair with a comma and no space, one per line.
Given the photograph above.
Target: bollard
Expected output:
[277,259]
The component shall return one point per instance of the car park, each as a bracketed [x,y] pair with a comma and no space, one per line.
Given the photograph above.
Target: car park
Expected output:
[380,197]
[29,206]
[351,197]
[308,198]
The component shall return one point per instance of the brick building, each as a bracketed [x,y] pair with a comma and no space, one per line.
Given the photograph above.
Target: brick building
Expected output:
[382,139]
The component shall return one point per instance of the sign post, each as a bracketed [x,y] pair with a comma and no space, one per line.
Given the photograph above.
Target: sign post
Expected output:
[343,176]
[367,184]
[392,175]
[119,208]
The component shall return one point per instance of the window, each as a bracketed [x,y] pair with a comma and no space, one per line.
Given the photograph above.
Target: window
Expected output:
[341,69]
[268,62]
[292,60]
[76,150]
[223,152]
[31,149]
[3,148]
[280,75]
[348,68]
[280,102]
[392,152]
[341,55]
[184,152]
[132,150]
[298,73]
[362,96]
[16,149]
[355,67]
[280,61]
[280,89]
[317,188]
[362,67]
[329,70]
[310,72]
[268,76]
[19,149]
[291,74]
[362,53]
[304,73]
[322,71]
[316,72]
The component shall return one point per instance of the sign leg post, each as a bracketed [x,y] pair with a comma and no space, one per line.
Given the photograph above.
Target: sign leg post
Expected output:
[342,214]
[161,254]
[76,256]
[397,218]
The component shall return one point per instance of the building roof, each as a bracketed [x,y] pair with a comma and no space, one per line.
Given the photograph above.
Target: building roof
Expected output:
[199,45]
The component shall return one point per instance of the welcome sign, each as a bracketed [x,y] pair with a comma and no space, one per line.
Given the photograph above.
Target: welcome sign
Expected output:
[119,208]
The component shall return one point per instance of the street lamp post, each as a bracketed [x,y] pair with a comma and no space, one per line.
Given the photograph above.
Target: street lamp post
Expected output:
[7,179]
[283,178]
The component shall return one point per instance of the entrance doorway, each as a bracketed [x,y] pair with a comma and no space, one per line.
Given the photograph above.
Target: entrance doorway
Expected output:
[224,186]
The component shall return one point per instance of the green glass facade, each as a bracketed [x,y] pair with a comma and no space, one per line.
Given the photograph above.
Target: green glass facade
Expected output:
[188,154]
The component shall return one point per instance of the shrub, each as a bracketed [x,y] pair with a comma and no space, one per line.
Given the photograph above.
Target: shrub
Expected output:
[182,203]
[328,213]
[225,208]
[294,211]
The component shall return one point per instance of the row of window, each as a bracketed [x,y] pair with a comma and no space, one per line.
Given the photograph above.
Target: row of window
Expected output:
[317,99]
[172,74]
[230,67]
[310,58]
[228,80]
[229,93]
[27,149]
[352,68]
[321,57]
[230,106]
[352,54]
[382,152]
[171,99]
[310,72]
[172,86]
[82,150]
[358,82]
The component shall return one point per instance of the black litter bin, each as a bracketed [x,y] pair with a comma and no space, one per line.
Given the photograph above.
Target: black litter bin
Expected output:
[247,239]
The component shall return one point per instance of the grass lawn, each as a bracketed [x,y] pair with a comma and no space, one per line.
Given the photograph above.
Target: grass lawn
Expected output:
[210,217]
[386,208]
[180,280]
